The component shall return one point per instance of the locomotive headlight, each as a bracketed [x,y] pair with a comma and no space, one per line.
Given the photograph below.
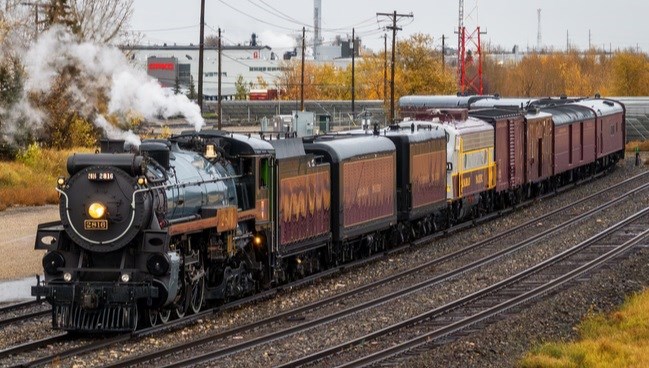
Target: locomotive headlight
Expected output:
[96,210]
[125,277]
[257,240]
[60,181]
[141,180]
[67,277]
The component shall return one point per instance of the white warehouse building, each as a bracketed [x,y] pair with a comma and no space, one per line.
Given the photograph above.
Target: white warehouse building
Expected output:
[166,63]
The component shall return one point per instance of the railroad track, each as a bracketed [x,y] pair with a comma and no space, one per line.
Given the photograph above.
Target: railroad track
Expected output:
[294,315]
[449,320]
[12,307]
[57,353]
[24,311]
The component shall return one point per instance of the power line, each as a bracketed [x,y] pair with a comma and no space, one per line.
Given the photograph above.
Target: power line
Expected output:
[255,18]
[278,13]
[289,18]
[166,29]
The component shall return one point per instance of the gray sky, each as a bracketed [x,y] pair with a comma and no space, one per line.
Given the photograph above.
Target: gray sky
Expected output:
[621,23]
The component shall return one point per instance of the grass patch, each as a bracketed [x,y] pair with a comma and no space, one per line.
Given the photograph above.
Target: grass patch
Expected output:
[31,179]
[641,145]
[620,339]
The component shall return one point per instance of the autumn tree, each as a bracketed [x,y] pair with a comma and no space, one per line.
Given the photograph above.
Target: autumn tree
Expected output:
[103,21]
[418,71]
[59,12]
[549,74]
[630,74]
[61,124]
[261,82]
[240,88]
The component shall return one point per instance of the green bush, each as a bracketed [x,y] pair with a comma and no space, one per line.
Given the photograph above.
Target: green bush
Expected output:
[32,156]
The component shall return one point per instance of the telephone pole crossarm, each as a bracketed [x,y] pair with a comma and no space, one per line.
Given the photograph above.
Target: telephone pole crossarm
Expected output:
[394,16]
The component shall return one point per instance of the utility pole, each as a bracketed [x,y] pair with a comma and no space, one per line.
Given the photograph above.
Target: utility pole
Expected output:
[567,41]
[200,57]
[443,52]
[36,7]
[302,79]
[385,69]
[539,40]
[460,44]
[353,76]
[394,29]
[590,39]
[219,91]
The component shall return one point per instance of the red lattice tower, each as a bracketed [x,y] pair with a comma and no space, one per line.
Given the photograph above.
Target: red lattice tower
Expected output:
[470,62]
[469,54]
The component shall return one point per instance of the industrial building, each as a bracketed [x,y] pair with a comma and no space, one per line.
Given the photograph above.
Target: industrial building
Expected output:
[253,62]
[166,63]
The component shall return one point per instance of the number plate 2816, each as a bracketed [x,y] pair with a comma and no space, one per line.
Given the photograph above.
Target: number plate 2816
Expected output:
[95,225]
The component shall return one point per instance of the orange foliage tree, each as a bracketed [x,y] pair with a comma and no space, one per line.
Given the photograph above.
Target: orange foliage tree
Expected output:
[572,74]
[418,71]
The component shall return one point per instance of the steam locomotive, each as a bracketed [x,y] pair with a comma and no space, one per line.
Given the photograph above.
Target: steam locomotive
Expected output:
[153,233]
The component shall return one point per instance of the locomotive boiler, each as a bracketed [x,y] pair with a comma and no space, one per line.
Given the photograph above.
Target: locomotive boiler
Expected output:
[126,241]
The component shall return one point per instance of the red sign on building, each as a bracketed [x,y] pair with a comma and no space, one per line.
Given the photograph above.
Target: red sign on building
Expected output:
[161,66]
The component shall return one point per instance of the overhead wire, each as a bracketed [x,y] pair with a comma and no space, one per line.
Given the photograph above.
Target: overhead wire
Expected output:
[166,29]
[278,13]
[255,18]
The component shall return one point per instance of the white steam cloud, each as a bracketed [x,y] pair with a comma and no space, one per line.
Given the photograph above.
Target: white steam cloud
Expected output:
[99,72]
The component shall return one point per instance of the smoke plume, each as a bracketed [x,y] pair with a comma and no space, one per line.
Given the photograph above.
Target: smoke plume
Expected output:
[99,76]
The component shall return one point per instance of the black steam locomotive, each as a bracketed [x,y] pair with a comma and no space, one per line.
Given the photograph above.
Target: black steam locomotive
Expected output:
[157,232]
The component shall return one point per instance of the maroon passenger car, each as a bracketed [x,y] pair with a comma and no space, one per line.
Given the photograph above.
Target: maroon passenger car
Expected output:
[610,129]
[363,190]
[574,140]
[303,198]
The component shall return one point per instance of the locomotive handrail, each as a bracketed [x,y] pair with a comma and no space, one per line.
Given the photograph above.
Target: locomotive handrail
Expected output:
[181,185]
[67,213]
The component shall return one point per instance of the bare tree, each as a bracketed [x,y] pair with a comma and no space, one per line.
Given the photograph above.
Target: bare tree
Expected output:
[103,21]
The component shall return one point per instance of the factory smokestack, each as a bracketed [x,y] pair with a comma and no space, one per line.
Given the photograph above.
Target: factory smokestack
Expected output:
[317,23]
[539,43]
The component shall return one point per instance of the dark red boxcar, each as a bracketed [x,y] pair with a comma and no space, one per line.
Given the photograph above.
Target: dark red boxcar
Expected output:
[574,136]
[304,197]
[509,144]
[538,146]
[363,177]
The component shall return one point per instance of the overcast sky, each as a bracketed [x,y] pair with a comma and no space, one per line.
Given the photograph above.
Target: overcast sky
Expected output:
[621,23]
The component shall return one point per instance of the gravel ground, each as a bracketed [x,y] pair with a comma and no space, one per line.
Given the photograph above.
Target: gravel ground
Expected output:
[503,343]
[17,233]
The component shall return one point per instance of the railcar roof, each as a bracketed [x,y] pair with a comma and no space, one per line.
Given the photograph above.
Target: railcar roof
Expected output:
[242,144]
[536,114]
[602,107]
[566,114]
[492,114]
[448,101]
[502,103]
[285,148]
[470,125]
[354,146]
[419,135]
